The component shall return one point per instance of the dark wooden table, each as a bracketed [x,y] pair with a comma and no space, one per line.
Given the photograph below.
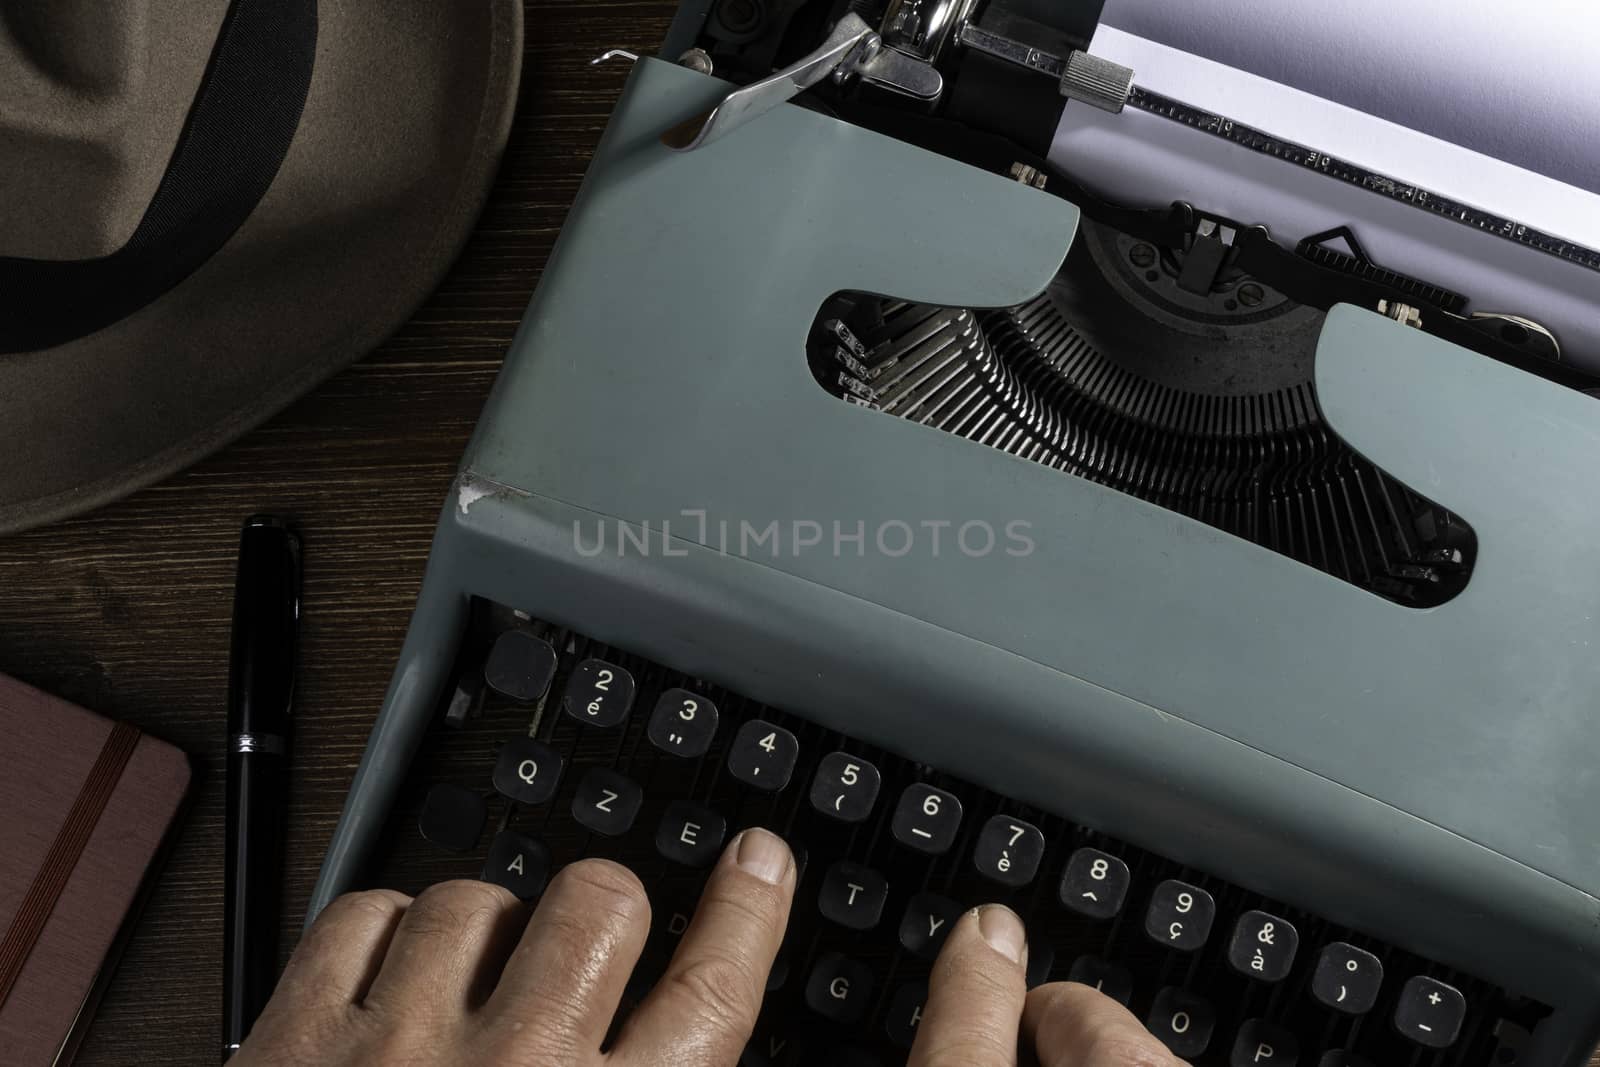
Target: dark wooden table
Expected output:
[126,611]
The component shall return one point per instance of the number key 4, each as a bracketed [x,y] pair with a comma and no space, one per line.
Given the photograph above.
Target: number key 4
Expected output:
[763,755]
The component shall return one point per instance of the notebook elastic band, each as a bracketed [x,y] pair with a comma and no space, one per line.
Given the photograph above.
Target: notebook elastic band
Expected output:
[40,900]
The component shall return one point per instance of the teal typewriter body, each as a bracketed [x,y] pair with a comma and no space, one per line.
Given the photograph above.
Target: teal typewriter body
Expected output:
[659,469]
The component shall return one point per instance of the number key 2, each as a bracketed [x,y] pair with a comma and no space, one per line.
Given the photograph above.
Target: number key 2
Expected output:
[845,788]
[1009,851]
[1180,916]
[927,819]
[683,723]
[1095,883]
[598,693]
[762,755]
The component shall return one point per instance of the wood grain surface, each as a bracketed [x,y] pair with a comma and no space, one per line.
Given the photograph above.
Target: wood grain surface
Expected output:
[126,611]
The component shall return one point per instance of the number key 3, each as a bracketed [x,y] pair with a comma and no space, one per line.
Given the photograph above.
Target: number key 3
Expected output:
[683,723]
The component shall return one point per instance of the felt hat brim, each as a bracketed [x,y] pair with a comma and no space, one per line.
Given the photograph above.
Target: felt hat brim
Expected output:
[407,115]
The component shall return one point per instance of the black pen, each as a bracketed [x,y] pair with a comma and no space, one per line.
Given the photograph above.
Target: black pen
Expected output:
[266,617]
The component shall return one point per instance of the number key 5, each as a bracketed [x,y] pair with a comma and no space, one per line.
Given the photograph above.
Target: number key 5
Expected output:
[845,788]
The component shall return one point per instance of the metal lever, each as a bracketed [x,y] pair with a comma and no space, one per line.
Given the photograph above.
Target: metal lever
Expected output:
[849,47]
[1080,76]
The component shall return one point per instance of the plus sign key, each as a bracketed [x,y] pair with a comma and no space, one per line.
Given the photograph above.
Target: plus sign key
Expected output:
[1263,946]
[1430,1012]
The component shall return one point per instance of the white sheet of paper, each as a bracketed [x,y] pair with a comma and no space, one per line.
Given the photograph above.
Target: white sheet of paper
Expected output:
[1517,81]
[1141,159]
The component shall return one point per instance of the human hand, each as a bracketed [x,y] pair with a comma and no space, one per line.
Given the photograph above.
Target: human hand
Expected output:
[463,975]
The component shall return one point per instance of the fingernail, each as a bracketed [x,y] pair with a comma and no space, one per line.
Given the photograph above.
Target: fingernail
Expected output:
[1000,927]
[764,855]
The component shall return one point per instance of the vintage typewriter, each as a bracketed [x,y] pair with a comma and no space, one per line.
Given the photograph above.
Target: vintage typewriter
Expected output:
[1018,458]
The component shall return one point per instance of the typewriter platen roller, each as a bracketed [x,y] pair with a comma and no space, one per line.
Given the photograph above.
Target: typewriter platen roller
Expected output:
[1296,592]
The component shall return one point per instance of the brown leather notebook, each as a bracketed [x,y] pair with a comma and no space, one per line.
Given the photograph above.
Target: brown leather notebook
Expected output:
[85,808]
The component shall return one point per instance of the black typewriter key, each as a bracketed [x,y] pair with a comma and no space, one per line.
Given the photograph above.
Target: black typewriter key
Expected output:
[1263,946]
[839,989]
[452,817]
[1262,1044]
[905,1012]
[778,973]
[1430,1012]
[926,923]
[1095,883]
[1008,851]
[1112,979]
[518,863]
[526,771]
[1182,1021]
[762,755]
[689,834]
[598,693]
[840,1056]
[1340,1058]
[520,666]
[466,699]
[1347,979]
[1180,916]
[683,723]
[845,788]
[775,1043]
[1041,958]
[852,896]
[606,802]
[927,819]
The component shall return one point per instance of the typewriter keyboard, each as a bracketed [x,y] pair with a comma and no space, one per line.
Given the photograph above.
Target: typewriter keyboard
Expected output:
[551,747]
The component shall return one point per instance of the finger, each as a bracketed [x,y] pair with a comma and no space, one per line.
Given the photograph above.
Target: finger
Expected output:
[449,937]
[1071,1025]
[337,959]
[705,1006]
[561,987]
[975,994]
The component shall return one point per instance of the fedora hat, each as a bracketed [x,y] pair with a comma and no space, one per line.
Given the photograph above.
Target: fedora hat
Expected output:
[209,206]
